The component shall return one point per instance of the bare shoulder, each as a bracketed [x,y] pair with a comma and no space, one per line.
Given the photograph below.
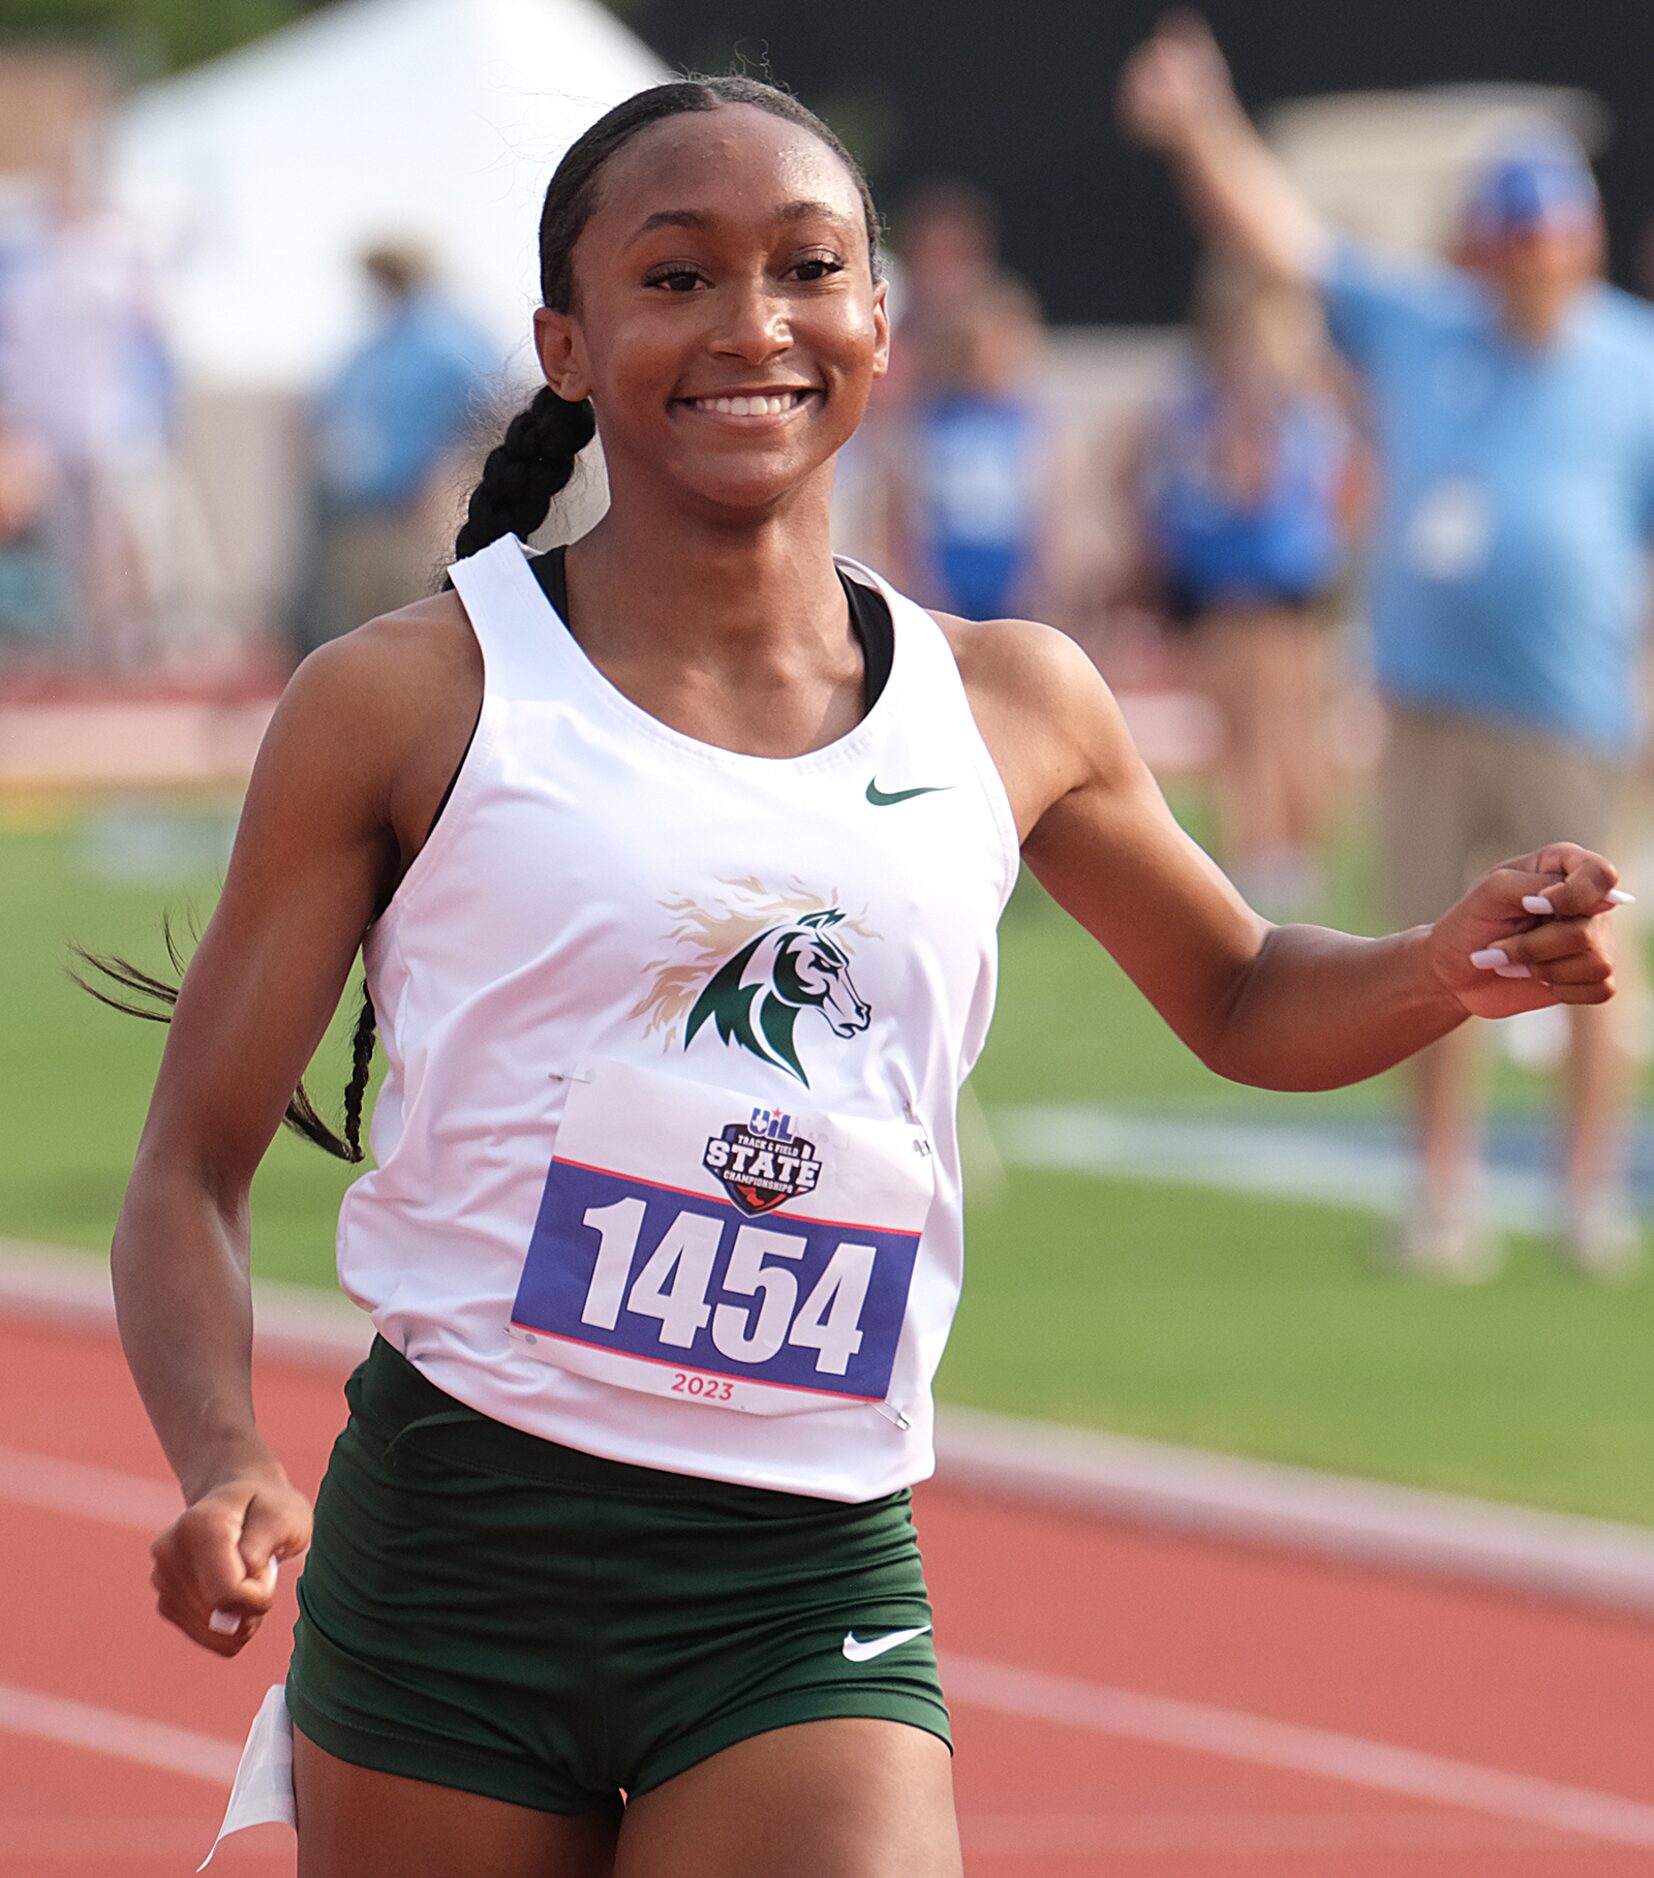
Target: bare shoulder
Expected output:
[401,662]
[1015,658]
[1048,718]
[387,679]
[383,714]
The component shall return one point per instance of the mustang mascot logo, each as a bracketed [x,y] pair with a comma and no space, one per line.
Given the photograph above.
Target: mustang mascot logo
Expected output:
[763,963]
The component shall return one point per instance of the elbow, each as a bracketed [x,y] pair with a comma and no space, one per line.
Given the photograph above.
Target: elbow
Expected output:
[171,1185]
[1256,1068]
[1248,1043]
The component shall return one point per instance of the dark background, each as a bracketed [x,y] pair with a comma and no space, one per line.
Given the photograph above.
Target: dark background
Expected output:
[1017,96]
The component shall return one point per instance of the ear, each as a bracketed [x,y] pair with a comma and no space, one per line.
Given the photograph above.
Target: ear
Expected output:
[881,328]
[562,356]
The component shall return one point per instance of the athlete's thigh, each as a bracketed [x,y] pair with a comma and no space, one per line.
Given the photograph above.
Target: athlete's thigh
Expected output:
[825,1799]
[355,1822]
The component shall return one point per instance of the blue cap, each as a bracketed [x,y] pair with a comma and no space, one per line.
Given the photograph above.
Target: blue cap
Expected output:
[1545,183]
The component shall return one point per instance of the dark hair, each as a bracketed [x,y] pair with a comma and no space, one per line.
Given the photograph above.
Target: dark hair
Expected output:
[523,472]
[159,995]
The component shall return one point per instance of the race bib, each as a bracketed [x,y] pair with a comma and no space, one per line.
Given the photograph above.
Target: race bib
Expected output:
[693,1245]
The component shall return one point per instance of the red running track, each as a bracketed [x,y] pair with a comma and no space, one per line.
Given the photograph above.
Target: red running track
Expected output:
[1127,1703]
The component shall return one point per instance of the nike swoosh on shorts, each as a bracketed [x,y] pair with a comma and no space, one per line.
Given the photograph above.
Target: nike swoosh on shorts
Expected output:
[860,1650]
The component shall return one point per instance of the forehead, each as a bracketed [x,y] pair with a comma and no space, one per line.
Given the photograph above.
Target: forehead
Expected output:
[734,165]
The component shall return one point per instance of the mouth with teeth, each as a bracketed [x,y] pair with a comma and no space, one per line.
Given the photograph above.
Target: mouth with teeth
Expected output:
[752,403]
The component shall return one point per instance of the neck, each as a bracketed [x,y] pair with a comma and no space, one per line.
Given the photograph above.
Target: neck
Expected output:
[703,580]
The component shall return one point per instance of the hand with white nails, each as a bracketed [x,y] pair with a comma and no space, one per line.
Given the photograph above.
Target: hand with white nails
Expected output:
[217,1564]
[1533,931]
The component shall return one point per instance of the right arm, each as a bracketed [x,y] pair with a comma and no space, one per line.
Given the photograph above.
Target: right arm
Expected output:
[323,839]
[1176,97]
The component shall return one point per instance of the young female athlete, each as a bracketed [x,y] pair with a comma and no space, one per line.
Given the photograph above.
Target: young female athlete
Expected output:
[677,863]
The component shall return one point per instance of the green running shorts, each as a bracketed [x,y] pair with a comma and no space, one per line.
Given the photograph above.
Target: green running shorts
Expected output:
[486,1610]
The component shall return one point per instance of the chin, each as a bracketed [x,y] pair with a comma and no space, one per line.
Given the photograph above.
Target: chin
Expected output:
[750,487]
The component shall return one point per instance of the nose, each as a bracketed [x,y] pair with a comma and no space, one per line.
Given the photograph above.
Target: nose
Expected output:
[755,326]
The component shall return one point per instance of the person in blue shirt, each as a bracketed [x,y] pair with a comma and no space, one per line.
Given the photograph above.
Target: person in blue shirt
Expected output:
[968,497]
[1512,404]
[384,429]
[1240,483]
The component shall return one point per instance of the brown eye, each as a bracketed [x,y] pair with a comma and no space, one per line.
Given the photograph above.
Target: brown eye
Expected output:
[674,279]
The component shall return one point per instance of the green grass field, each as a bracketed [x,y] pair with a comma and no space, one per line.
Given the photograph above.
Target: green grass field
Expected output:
[1255,1326]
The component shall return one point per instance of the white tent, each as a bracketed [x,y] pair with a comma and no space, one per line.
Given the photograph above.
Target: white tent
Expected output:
[263,174]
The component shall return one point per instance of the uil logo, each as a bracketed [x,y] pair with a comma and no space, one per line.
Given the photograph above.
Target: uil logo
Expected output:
[761,964]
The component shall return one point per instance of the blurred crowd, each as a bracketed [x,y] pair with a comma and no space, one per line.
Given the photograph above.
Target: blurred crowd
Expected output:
[1456,451]
[1458,455]
[87,408]
[104,573]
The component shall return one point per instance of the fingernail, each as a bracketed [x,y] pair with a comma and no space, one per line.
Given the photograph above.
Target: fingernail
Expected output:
[1536,903]
[1513,971]
[272,1568]
[225,1623]
[1621,898]
[1489,959]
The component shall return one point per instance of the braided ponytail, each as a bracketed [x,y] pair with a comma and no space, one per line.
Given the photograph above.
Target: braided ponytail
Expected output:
[525,469]
[361,1061]
[140,993]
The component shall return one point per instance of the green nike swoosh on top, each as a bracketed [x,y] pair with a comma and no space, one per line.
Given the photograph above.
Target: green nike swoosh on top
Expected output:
[881,800]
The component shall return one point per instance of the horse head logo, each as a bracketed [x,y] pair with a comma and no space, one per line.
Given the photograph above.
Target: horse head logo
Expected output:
[755,998]
[749,962]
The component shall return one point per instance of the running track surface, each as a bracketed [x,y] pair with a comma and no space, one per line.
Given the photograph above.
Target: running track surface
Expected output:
[1127,1703]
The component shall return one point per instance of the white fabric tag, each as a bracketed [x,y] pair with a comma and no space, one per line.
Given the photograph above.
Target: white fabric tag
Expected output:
[263,1790]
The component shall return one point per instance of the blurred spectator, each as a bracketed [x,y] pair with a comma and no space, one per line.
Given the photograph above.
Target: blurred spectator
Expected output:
[1513,403]
[33,592]
[945,481]
[1241,479]
[85,375]
[966,504]
[947,239]
[385,431]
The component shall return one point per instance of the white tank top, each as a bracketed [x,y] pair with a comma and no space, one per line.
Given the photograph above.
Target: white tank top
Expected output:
[667,1166]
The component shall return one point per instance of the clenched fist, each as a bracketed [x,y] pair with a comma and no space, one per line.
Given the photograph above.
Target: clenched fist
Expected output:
[1534,931]
[215,1565]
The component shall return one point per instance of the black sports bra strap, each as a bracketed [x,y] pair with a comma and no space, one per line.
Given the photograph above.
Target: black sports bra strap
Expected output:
[552,574]
[869,619]
[873,626]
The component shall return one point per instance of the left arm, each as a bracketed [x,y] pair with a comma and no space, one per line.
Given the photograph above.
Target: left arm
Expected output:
[1283,1007]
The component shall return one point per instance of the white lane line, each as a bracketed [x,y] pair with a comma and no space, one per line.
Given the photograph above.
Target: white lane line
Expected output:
[127,1737]
[96,1492]
[1163,1720]
[1237,1736]
[1368,1168]
[1228,1495]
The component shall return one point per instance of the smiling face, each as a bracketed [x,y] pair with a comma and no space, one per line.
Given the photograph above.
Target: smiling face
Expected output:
[725,321]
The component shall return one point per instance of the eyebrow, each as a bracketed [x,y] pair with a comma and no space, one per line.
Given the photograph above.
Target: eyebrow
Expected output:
[799,211]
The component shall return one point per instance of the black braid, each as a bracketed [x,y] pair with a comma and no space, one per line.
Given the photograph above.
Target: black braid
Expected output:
[361,1059]
[158,997]
[525,469]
